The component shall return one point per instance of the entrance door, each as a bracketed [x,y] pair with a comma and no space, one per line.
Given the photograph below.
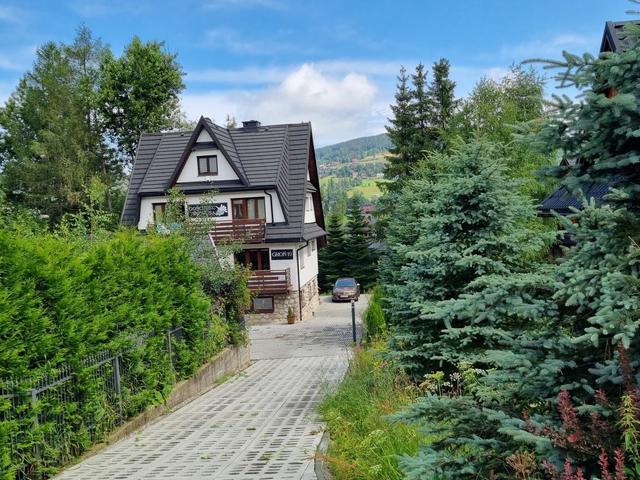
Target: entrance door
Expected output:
[256,259]
[248,208]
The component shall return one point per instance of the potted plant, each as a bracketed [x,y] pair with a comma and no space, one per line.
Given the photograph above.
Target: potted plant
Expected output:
[291,316]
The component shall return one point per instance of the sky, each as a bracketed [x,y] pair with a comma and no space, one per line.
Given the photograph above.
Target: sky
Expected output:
[331,62]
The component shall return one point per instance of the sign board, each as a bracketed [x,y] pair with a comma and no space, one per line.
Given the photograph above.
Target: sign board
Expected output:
[284,254]
[208,210]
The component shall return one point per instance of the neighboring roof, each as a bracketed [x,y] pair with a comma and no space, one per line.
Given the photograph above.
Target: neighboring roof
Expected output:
[613,37]
[562,200]
[264,157]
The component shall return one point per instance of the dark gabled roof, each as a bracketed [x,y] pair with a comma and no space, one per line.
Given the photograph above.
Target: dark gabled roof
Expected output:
[562,199]
[613,38]
[264,157]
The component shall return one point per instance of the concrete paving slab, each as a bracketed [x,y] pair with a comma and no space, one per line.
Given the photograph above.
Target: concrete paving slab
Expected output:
[261,424]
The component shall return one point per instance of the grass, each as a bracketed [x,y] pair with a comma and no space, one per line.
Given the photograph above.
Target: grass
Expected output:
[368,189]
[365,443]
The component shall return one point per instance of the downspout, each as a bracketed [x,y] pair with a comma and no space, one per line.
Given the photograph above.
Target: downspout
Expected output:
[273,220]
[298,275]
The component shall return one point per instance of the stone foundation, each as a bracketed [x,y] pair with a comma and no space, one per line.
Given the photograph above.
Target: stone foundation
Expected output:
[281,304]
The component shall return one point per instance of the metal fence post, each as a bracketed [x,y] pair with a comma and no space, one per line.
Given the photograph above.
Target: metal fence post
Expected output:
[169,348]
[353,320]
[36,421]
[116,383]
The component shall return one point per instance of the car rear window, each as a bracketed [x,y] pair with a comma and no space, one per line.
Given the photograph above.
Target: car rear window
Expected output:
[345,282]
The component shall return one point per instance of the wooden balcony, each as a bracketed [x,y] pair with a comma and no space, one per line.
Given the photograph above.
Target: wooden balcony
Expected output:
[238,231]
[269,282]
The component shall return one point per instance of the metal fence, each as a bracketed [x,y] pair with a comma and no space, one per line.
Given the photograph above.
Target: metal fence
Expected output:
[87,398]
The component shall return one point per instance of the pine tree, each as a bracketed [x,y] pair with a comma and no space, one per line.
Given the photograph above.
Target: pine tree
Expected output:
[441,95]
[358,239]
[423,137]
[333,260]
[401,131]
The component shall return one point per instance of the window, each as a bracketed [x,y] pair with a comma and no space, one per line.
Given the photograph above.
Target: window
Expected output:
[208,165]
[262,304]
[248,208]
[309,203]
[255,259]
[313,245]
[308,249]
[159,210]
[301,258]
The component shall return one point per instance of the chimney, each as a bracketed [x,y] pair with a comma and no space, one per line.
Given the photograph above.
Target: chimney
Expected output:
[251,124]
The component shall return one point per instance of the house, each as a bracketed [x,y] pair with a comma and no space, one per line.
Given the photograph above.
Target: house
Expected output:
[266,196]
[562,199]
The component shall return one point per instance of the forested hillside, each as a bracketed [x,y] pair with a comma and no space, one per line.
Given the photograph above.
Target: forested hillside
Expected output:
[358,148]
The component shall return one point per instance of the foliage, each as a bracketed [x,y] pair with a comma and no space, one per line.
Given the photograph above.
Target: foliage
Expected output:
[360,257]
[139,92]
[51,142]
[468,223]
[598,133]
[553,348]
[333,259]
[365,443]
[421,115]
[375,325]
[81,292]
[494,110]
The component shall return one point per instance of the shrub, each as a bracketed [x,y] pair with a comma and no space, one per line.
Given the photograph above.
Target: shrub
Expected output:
[373,317]
[365,443]
[66,302]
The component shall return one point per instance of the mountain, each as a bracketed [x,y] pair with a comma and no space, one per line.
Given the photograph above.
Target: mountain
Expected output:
[358,148]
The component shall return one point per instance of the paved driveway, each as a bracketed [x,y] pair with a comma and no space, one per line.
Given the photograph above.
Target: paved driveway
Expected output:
[261,424]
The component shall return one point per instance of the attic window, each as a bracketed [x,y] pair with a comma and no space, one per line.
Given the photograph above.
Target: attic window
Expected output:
[208,165]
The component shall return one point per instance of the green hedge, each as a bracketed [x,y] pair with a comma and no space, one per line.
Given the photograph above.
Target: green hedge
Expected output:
[63,299]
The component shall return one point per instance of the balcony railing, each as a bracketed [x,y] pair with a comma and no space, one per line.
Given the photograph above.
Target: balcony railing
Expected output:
[239,230]
[270,281]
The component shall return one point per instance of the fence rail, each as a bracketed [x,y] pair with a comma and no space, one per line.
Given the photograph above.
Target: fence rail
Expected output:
[96,388]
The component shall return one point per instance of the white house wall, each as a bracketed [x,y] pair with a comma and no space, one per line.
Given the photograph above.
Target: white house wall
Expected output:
[189,172]
[309,213]
[146,208]
[310,269]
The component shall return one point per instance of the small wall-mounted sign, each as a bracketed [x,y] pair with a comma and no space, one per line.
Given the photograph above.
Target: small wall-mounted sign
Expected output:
[209,210]
[284,254]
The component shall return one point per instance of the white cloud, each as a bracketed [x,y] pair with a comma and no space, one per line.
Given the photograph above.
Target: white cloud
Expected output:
[339,107]
[551,47]
[272,74]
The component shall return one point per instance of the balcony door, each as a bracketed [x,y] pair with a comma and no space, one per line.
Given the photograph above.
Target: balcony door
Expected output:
[255,258]
[248,208]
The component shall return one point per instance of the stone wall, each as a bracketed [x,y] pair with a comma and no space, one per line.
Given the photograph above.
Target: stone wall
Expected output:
[281,304]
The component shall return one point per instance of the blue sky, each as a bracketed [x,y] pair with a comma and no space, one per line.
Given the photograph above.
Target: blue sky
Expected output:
[330,62]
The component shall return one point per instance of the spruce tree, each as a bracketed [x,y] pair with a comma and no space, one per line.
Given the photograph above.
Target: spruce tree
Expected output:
[333,259]
[554,337]
[470,224]
[358,239]
[443,104]
[401,131]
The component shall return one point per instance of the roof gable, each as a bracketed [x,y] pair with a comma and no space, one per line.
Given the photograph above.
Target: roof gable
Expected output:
[205,125]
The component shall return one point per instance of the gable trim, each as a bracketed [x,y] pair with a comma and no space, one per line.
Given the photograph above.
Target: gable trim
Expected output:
[202,124]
